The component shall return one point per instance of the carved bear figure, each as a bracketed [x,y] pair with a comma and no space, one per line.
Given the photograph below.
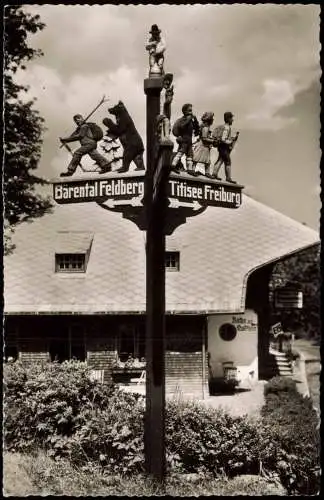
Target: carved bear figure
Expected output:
[126,132]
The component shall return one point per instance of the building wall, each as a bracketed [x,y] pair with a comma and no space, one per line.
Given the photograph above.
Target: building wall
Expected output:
[25,337]
[101,355]
[100,344]
[186,356]
[97,340]
[257,299]
[242,350]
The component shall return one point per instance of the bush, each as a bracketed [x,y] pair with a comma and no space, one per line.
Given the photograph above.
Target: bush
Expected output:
[112,437]
[201,439]
[56,407]
[292,422]
[280,385]
[45,403]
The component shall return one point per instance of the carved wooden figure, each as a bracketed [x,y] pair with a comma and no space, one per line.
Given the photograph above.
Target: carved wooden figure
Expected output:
[156,47]
[224,141]
[163,120]
[124,129]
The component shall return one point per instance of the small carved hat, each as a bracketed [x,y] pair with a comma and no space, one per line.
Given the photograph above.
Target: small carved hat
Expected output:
[155,29]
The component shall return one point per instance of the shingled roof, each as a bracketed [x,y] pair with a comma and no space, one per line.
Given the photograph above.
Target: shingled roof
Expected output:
[218,251]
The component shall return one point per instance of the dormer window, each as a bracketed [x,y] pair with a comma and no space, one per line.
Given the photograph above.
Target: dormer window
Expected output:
[72,251]
[172,261]
[70,262]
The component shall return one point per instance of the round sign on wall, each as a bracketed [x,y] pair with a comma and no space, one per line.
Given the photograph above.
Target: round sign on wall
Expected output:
[227,331]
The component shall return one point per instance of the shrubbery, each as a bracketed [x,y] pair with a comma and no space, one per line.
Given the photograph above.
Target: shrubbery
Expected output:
[56,407]
[53,405]
[293,423]
[279,385]
[201,439]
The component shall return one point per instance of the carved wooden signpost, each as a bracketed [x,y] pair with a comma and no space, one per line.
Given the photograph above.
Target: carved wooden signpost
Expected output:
[157,200]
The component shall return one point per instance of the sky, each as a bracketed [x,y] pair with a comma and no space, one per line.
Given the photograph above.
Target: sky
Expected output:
[259,61]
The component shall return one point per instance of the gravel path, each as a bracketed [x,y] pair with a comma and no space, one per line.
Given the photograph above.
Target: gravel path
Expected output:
[242,402]
[245,402]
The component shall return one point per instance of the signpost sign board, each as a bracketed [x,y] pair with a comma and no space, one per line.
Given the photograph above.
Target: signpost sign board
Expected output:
[184,190]
[117,188]
[127,189]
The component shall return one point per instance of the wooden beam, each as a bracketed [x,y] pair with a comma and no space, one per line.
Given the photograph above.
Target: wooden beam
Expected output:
[154,427]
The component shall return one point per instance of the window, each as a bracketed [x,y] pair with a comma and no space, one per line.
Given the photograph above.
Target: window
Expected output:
[172,261]
[131,343]
[227,331]
[68,343]
[69,262]
[72,251]
[288,298]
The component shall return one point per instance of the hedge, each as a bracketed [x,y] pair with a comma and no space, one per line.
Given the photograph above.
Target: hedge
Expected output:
[57,408]
[295,428]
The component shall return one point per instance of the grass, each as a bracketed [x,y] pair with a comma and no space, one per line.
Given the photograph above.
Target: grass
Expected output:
[40,475]
[16,481]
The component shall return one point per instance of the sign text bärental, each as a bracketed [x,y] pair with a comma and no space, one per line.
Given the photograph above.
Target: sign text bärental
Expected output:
[129,188]
[97,190]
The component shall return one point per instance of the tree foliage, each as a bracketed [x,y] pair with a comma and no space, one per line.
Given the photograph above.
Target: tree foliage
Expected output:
[302,270]
[23,124]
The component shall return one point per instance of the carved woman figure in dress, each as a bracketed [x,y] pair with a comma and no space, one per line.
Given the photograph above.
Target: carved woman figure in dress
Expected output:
[201,149]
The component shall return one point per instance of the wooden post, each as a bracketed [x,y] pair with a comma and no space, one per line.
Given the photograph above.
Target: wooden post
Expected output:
[203,359]
[154,439]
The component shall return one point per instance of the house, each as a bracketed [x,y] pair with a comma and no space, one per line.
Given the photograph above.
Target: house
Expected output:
[75,287]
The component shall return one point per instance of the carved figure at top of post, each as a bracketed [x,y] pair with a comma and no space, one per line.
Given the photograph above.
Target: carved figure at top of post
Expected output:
[163,119]
[156,47]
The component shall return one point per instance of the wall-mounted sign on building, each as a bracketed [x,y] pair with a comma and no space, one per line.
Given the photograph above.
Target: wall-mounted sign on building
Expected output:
[276,329]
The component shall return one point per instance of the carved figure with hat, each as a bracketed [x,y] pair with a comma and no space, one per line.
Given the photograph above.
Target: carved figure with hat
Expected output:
[156,47]
[225,142]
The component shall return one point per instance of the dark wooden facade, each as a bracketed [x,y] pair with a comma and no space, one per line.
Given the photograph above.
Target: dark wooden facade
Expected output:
[106,342]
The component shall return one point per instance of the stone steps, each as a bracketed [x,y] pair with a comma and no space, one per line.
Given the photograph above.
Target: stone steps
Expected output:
[278,364]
